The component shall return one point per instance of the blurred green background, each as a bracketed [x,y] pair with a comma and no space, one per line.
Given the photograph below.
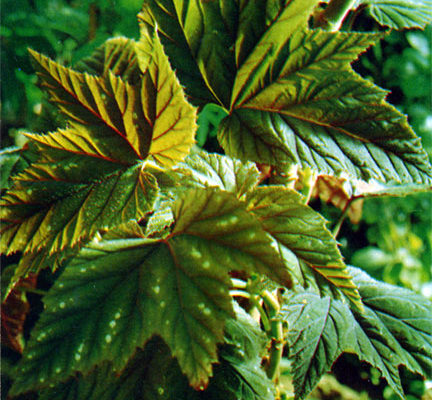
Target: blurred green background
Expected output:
[393,241]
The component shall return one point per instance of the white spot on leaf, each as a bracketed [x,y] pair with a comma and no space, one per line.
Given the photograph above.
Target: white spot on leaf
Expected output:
[196,253]
[233,219]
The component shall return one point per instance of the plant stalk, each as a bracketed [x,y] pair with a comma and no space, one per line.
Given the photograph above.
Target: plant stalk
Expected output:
[264,319]
[238,283]
[308,180]
[332,17]
[276,331]
[341,219]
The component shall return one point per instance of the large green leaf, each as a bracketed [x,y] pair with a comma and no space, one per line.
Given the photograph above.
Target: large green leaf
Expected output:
[208,41]
[226,173]
[395,329]
[240,375]
[82,181]
[151,374]
[197,37]
[314,337]
[302,231]
[49,210]
[148,119]
[154,374]
[116,294]
[298,101]
[400,14]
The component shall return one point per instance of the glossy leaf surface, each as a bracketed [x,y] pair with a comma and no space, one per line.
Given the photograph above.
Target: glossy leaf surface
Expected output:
[116,294]
[289,105]
[400,14]
[302,230]
[153,373]
[394,330]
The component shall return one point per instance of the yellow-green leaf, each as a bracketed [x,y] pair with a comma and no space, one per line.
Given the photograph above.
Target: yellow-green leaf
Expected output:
[173,119]
[45,210]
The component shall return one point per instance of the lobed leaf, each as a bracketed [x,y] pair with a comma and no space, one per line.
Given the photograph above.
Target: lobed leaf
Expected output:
[196,36]
[153,373]
[400,14]
[149,119]
[393,330]
[90,171]
[404,319]
[117,55]
[116,294]
[48,211]
[173,119]
[107,102]
[300,229]
[289,107]
[316,335]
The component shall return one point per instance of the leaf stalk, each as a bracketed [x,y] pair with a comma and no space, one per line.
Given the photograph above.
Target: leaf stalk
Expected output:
[332,17]
[276,332]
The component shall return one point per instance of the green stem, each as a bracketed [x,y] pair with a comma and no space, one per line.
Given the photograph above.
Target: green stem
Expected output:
[33,290]
[238,283]
[334,14]
[338,225]
[264,319]
[276,350]
[309,179]
[239,293]
[276,331]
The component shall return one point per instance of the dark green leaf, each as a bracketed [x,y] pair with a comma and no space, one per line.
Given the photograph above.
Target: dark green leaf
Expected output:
[290,107]
[197,37]
[300,229]
[239,374]
[316,337]
[400,14]
[151,374]
[116,294]
[403,320]
[154,374]
[394,329]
